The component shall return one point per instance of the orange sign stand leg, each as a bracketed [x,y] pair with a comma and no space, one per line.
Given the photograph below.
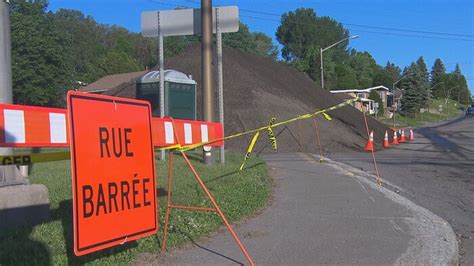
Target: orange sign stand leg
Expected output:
[372,151]
[216,208]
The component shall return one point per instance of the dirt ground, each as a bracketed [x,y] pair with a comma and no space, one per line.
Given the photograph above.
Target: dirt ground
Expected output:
[257,89]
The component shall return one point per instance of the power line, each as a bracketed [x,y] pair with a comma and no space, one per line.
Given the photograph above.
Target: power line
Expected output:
[380,32]
[372,27]
[354,25]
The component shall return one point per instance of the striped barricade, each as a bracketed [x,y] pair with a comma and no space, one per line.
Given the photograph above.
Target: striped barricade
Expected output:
[31,126]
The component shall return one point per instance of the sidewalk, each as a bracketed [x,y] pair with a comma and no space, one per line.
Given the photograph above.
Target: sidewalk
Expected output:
[326,214]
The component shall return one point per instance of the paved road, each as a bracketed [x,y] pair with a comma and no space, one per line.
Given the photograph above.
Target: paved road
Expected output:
[326,214]
[436,171]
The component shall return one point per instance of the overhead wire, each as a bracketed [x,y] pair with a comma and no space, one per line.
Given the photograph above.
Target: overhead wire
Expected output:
[349,24]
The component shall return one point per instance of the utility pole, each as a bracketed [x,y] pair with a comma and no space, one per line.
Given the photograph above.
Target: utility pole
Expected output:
[6,92]
[206,68]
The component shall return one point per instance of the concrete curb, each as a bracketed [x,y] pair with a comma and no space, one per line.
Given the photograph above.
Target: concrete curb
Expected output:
[434,241]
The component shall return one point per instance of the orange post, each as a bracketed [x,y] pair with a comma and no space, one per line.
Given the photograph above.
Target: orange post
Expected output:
[373,154]
[216,208]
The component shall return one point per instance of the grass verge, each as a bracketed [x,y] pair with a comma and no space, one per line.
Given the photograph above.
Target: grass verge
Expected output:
[238,194]
[431,115]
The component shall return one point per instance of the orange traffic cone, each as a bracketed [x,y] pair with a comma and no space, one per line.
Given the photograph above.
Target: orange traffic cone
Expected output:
[402,137]
[411,136]
[370,143]
[385,140]
[395,138]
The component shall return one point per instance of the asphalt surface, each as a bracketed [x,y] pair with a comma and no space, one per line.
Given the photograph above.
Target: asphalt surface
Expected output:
[326,213]
[435,171]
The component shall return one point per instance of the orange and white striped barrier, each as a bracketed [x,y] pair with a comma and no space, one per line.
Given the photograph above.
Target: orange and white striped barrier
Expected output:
[31,126]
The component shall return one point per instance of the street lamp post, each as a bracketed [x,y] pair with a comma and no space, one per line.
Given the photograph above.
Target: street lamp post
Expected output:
[321,50]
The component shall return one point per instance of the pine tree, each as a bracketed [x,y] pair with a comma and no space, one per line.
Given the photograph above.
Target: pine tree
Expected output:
[423,82]
[412,98]
[438,71]
[457,70]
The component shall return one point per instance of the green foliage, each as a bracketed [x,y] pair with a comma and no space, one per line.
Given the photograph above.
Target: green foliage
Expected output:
[393,70]
[412,99]
[39,56]
[264,45]
[383,77]
[455,87]
[375,96]
[302,34]
[437,72]
[365,68]
[424,81]
[251,42]
[346,77]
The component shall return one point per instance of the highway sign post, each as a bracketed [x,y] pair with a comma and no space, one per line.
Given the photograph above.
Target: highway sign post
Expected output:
[113,171]
[188,22]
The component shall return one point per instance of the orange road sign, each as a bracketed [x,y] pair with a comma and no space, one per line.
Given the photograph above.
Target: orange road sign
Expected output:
[113,171]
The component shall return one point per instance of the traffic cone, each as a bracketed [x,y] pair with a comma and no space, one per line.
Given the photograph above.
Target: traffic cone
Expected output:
[370,143]
[411,136]
[385,140]
[395,138]
[402,137]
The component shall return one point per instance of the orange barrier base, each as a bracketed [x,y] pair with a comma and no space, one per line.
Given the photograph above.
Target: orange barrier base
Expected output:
[193,208]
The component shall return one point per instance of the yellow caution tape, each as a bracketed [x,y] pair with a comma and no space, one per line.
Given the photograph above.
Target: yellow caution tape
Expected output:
[271,135]
[59,156]
[34,158]
[327,117]
[301,117]
[249,150]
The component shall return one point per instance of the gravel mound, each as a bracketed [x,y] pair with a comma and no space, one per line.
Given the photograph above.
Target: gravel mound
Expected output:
[257,89]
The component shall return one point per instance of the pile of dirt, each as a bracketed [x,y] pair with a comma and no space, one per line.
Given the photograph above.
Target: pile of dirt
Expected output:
[257,89]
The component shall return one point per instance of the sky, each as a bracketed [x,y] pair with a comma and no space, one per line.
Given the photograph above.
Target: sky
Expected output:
[399,31]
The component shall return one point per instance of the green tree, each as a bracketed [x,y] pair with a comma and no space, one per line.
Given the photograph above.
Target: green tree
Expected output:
[364,67]
[346,77]
[424,81]
[383,77]
[456,86]
[251,42]
[393,70]
[437,72]
[412,99]
[302,33]
[375,96]
[40,61]
[264,45]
